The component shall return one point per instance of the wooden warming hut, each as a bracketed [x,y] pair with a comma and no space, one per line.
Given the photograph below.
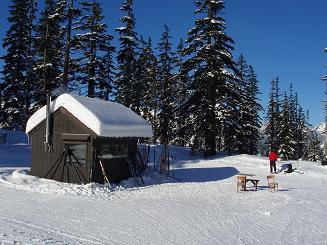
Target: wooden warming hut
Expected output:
[86,140]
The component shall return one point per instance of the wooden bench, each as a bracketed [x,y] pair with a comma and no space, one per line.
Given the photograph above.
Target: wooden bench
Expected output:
[272,184]
[241,182]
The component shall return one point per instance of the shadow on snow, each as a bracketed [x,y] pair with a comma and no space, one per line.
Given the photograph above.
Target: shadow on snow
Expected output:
[204,174]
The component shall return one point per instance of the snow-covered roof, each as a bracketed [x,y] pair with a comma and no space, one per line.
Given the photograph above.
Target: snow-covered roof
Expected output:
[107,119]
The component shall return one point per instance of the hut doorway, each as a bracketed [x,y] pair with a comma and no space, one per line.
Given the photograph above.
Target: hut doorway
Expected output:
[114,158]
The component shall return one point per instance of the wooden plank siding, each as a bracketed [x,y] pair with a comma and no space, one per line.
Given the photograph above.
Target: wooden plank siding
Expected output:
[64,126]
[62,122]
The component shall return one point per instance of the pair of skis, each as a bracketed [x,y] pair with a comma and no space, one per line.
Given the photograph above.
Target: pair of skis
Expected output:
[105,178]
[134,171]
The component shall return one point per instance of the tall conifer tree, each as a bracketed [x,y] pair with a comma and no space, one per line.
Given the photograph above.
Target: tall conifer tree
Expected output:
[71,65]
[94,43]
[18,81]
[166,86]
[253,108]
[210,60]
[181,129]
[49,47]
[127,74]
[148,77]
[300,132]
[313,151]
[285,135]
[238,130]
[273,117]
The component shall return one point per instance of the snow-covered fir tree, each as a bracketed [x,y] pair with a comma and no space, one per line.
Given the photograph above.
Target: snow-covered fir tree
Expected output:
[71,65]
[49,47]
[292,99]
[253,112]
[107,72]
[234,132]
[299,125]
[18,81]
[285,135]
[93,42]
[148,75]
[181,129]
[313,151]
[300,132]
[239,127]
[127,81]
[166,86]
[209,63]
[273,117]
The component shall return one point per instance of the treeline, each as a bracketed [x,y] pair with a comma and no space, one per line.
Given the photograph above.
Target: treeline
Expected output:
[287,129]
[196,94]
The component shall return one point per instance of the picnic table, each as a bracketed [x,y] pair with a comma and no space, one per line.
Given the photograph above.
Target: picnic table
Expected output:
[253,181]
[243,180]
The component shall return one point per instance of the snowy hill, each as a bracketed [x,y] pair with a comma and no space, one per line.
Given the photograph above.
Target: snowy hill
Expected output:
[202,207]
[320,128]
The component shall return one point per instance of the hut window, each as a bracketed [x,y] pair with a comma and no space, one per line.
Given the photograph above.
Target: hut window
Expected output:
[109,151]
[79,151]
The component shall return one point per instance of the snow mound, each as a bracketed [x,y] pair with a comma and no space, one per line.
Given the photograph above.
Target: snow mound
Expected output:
[21,180]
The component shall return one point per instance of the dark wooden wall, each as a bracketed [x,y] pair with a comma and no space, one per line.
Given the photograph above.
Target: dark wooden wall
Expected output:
[62,122]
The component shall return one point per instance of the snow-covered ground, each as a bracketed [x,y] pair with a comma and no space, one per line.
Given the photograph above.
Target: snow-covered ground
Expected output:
[201,207]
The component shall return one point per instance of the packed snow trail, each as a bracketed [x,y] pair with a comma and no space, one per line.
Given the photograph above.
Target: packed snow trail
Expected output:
[203,208]
[170,213]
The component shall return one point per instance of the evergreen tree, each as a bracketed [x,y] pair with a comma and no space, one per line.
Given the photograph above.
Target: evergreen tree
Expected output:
[286,150]
[300,133]
[253,109]
[71,65]
[313,151]
[96,51]
[273,117]
[209,62]
[239,130]
[127,81]
[166,86]
[293,103]
[181,128]
[18,76]
[49,47]
[148,77]
[107,72]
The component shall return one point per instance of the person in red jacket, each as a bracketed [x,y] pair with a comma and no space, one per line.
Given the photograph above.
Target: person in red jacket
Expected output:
[273,159]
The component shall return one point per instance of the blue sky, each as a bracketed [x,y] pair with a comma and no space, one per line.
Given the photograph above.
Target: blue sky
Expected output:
[284,38]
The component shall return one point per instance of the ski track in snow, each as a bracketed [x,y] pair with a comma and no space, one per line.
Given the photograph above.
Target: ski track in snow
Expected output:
[184,213]
[202,208]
